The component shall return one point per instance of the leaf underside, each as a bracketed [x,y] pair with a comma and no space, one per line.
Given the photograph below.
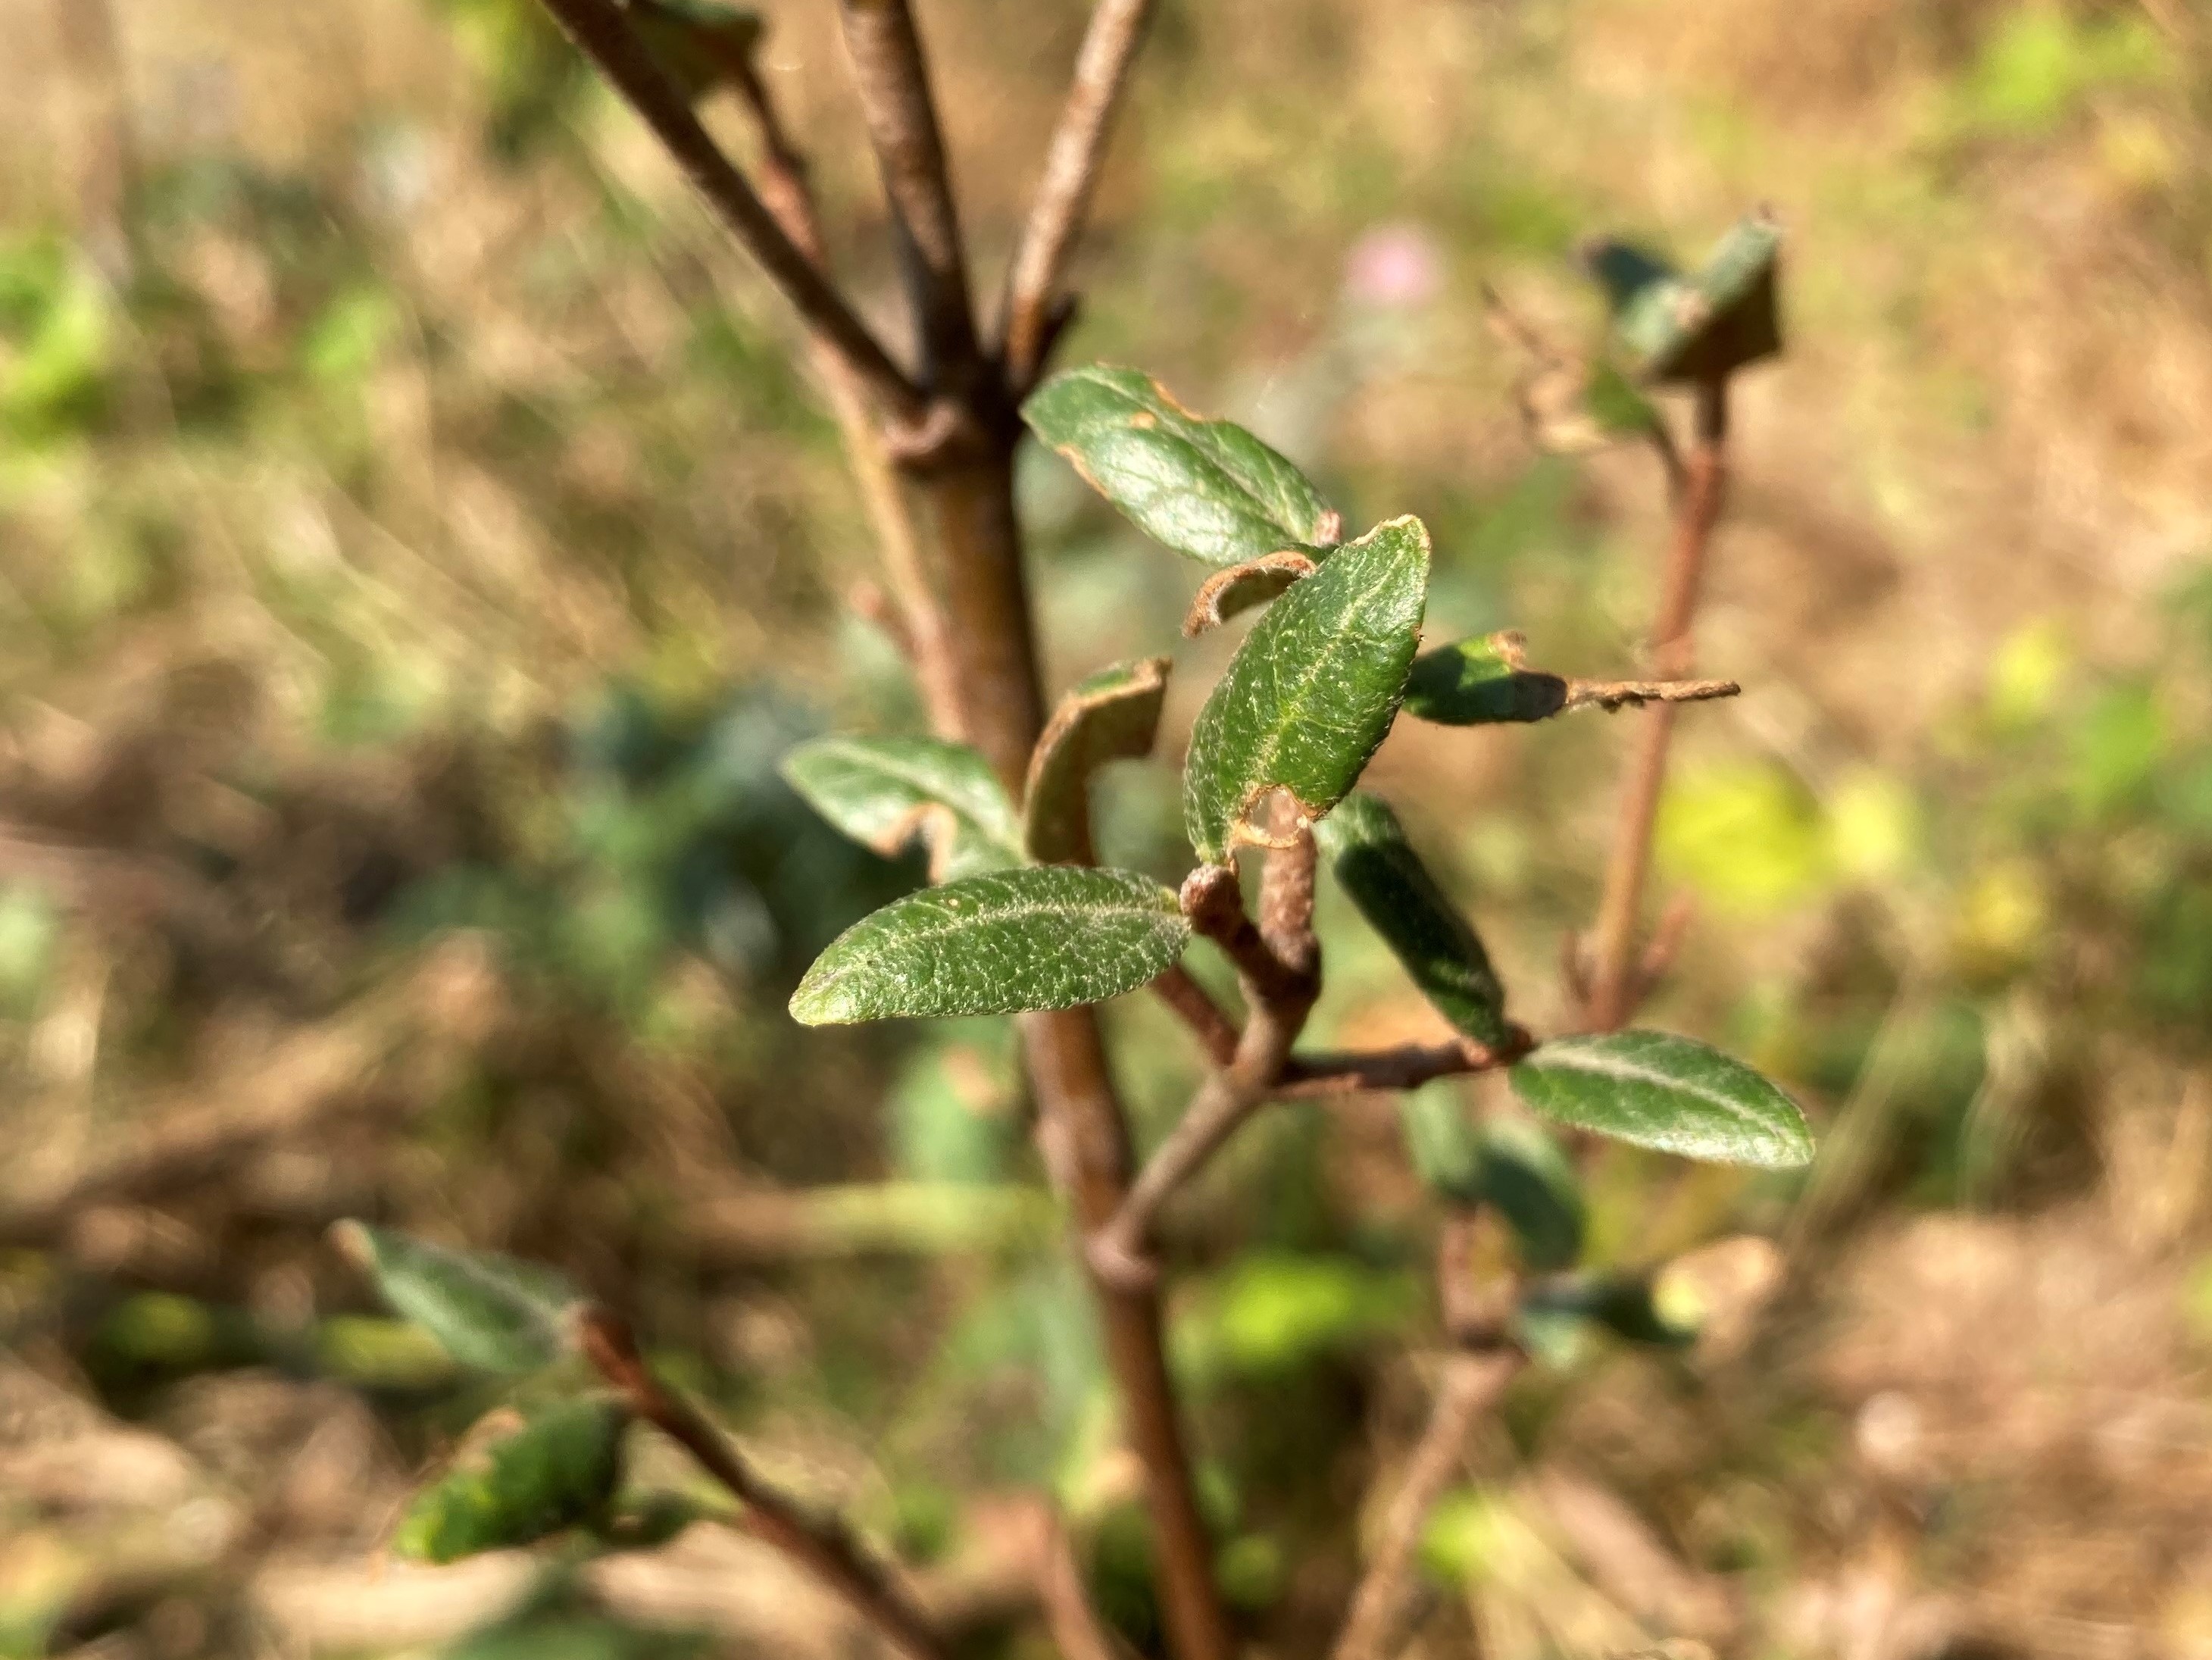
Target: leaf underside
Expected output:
[1656,1090]
[1207,488]
[1047,936]
[1401,900]
[882,791]
[487,1311]
[1311,692]
[1113,715]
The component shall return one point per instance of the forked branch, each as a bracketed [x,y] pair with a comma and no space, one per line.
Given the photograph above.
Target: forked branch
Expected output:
[1072,166]
[605,36]
[821,1544]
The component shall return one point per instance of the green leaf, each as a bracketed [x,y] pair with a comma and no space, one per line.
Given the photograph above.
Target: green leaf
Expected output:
[1478,682]
[1047,936]
[883,792]
[1113,715]
[1386,879]
[1678,330]
[1553,1311]
[1311,692]
[1209,489]
[557,1471]
[1573,408]
[1502,1162]
[487,1310]
[1654,1090]
[700,45]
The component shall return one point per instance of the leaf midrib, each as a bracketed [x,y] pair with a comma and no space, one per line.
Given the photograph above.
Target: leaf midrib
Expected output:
[1294,706]
[1614,1066]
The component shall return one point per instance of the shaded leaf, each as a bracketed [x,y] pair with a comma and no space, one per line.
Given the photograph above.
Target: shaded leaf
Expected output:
[700,45]
[1553,1314]
[1679,329]
[1310,694]
[1240,587]
[557,1471]
[486,1309]
[1502,1162]
[1209,489]
[1487,680]
[1113,715]
[1479,681]
[1656,1090]
[1394,891]
[1047,936]
[882,791]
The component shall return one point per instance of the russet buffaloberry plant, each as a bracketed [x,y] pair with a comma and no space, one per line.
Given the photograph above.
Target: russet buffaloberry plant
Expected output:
[1018,919]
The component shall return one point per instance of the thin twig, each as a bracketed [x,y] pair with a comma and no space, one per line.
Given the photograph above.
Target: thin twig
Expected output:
[1472,1384]
[1405,1067]
[1278,968]
[892,75]
[605,36]
[1610,694]
[1196,1006]
[1071,175]
[785,189]
[820,1544]
[1075,1627]
[1613,987]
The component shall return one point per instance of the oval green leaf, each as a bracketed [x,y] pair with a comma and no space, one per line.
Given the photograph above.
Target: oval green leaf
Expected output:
[1378,866]
[1311,693]
[557,1471]
[1113,715]
[1656,1090]
[883,792]
[1207,488]
[485,1310]
[1047,936]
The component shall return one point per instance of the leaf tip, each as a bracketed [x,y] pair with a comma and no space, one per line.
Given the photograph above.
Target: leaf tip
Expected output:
[356,1242]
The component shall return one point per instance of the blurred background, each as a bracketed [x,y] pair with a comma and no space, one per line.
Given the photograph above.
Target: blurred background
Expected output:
[418,541]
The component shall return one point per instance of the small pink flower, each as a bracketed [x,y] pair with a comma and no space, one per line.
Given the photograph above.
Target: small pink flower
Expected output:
[1393,267]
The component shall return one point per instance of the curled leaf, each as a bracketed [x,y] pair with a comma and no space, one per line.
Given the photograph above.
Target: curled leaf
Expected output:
[1112,715]
[1240,587]
[1487,680]
[1043,937]
[1310,694]
[1677,329]
[1209,489]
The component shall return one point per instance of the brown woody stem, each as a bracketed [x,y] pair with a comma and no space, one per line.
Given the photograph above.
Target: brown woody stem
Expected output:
[920,621]
[821,1544]
[1471,1385]
[605,36]
[1071,175]
[1614,983]
[892,75]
